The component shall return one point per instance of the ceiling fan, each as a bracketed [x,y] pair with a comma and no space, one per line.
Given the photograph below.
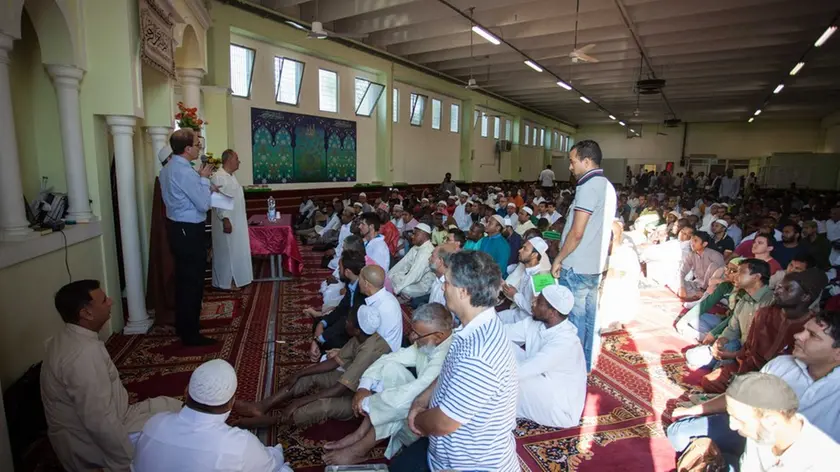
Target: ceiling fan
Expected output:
[580,54]
[318,31]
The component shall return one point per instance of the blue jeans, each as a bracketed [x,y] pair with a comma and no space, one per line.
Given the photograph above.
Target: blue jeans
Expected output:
[701,356]
[714,427]
[584,314]
[412,458]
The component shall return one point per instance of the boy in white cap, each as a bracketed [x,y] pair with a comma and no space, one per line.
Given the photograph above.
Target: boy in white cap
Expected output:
[196,439]
[530,255]
[411,276]
[552,367]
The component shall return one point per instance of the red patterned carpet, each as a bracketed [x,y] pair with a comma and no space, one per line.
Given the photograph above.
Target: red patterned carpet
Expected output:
[639,377]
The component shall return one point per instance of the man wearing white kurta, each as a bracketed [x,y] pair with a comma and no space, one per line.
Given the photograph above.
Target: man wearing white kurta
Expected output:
[551,368]
[231,243]
[524,221]
[381,308]
[387,388]
[347,216]
[461,213]
[411,277]
[530,255]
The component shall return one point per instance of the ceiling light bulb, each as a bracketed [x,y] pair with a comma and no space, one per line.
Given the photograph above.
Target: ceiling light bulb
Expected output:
[612,117]
[797,68]
[486,35]
[750,120]
[533,65]
[827,34]
[564,85]
[296,25]
[585,100]
[778,88]
[622,123]
[757,112]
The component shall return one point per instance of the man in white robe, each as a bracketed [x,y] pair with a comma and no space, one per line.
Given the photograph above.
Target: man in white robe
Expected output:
[411,277]
[524,220]
[231,243]
[89,421]
[530,254]
[387,388]
[461,213]
[551,367]
[347,216]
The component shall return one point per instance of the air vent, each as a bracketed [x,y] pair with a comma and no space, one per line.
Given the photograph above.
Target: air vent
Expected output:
[650,86]
[672,122]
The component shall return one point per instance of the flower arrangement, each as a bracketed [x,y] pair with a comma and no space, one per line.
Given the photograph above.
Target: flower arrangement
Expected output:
[188,118]
[216,162]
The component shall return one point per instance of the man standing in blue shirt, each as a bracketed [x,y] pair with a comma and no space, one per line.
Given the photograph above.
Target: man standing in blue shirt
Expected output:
[495,244]
[186,194]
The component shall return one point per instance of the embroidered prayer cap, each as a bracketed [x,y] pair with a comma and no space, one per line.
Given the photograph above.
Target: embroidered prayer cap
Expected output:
[164,154]
[369,318]
[812,281]
[559,297]
[539,245]
[424,228]
[213,383]
[528,210]
[499,220]
[764,391]
[722,222]
[358,204]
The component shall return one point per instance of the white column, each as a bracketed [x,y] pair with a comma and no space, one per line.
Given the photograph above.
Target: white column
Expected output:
[190,81]
[159,136]
[122,129]
[66,80]
[13,223]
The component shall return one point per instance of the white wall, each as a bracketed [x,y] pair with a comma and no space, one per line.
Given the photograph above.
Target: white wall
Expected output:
[262,96]
[487,166]
[422,154]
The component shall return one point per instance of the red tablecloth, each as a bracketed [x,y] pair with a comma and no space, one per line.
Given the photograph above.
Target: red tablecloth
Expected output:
[269,238]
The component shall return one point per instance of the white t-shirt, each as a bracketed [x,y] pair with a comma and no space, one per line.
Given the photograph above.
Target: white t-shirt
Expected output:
[595,195]
[390,317]
[547,178]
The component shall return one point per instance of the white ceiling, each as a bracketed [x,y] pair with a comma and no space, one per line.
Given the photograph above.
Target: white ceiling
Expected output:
[721,58]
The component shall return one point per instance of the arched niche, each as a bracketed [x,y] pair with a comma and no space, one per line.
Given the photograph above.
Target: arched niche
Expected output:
[189,54]
[55,35]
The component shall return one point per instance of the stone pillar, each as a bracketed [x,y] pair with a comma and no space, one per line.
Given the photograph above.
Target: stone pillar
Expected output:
[159,136]
[13,223]
[122,129]
[67,80]
[190,81]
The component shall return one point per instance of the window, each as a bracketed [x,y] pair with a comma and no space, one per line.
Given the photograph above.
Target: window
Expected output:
[556,140]
[418,109]
[484,119]
[288,75]
[436,112]
[542,137]
[367,95]
[241,70]
[454,118]
[497,127]
[327,91]
[508,130]
[534,136]
[527,135]
[396,105]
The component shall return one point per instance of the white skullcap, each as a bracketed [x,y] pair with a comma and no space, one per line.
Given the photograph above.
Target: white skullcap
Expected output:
[363,194]
[559,297]
[424,228]
[528,210]
[539,244]
[511,204]
[673,212]
[441,203]
[721,222]
[464,194]
[500,220]
[213,383]
[451,197]
[358,204]
[507,222]
[368,319]
[164,154]
[424,199]
[501,194]
[398,207]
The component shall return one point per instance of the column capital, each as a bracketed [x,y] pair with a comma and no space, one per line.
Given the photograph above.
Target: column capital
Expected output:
[65,75]
[158,130]
[190,76]
[121,124]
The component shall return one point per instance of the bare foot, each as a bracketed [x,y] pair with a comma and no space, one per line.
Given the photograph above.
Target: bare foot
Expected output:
[347,456]
[350,439]
[248,409]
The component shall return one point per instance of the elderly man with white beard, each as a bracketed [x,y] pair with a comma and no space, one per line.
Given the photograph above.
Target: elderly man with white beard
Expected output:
[387,388]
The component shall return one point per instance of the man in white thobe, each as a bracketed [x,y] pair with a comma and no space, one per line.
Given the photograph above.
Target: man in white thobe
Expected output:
[89,421]
[196,439]
[552,367]
[524,221]
[461,213]
[387,388]
[411,277]
[231,243]
[530,254]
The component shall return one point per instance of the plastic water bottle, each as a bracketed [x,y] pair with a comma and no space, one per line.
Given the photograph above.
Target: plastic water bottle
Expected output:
[272,210]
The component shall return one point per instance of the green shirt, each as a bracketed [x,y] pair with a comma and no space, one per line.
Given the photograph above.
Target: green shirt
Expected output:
[742,315]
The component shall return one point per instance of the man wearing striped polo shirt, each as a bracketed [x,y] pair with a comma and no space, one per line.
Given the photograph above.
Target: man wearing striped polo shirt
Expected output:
[467,416]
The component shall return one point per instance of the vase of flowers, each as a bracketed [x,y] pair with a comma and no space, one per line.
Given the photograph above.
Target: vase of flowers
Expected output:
[188,118]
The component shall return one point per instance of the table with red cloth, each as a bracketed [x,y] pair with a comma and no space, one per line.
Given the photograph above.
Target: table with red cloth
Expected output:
[276,240]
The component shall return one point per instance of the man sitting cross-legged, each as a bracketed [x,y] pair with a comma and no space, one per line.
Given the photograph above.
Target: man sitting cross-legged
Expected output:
[411,276]
[530,255]
[329,331]
[387,388]
[333,399]
[551,368]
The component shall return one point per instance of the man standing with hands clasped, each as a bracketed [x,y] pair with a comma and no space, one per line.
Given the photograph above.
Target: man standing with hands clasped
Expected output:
[231,244]
[186,194]
[586,237]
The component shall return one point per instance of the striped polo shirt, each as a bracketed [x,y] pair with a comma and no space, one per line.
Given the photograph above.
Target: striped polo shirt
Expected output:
[477,388]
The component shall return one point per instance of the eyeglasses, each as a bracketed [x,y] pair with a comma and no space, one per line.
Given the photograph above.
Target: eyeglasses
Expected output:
[419,337]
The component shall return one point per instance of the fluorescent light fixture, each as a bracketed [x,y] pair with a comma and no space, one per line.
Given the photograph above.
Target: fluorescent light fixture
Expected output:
[486,35]
[564,85]
[292,23]
[828,32]
[632,131]
[612,117]
[797,68]
[751,120]
[533,65]
[757,112]
[585,100]
[622,123]
[778,88]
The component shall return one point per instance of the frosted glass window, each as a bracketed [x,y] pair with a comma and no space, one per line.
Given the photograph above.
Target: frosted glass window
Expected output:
[497,127]
[418,109]
[527,135]
[455,118]
[436,114]
[508,130]
[484,119]
[367,95]
[396,105]
[327,91]
[288,76]
[241,70]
